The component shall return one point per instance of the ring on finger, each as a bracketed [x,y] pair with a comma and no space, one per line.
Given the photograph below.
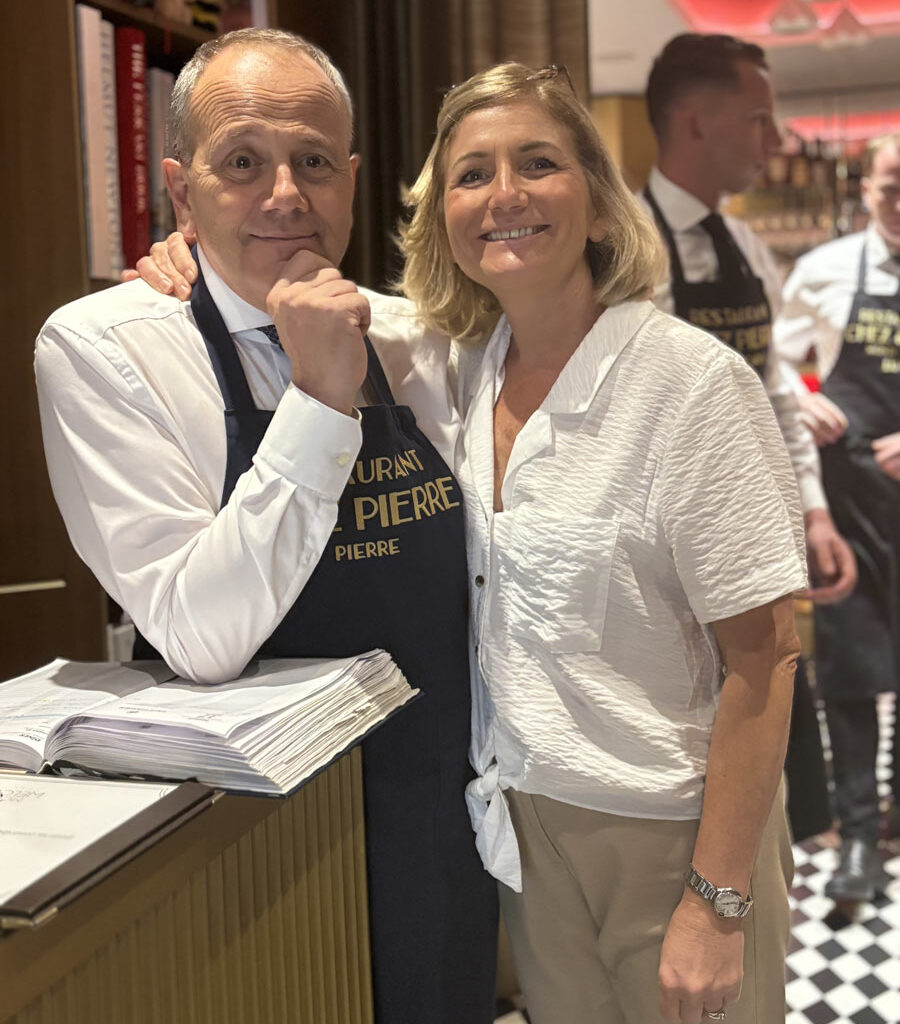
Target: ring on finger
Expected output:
[715,1014]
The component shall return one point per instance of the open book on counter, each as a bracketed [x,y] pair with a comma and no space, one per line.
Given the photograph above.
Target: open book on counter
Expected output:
[267,732]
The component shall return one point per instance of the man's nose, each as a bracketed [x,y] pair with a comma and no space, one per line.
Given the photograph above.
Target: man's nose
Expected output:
[286,191]
[507,190]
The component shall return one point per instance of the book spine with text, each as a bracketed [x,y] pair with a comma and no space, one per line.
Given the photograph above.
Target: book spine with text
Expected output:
[90,95]
[159,93]
[131,111]
[111,146]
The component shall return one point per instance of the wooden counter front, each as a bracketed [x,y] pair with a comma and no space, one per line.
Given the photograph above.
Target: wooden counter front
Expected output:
[254,912]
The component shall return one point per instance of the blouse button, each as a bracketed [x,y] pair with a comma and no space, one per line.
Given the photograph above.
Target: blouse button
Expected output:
[479,581]
[343,458]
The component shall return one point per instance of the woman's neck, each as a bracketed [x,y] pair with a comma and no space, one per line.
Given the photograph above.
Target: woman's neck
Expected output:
[546,329]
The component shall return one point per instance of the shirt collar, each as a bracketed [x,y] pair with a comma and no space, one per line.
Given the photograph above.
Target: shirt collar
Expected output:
[877,252]
[681,210]
[574,389]
[237,314]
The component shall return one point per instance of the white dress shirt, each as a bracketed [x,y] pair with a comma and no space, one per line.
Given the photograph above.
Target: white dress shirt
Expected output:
[819,293]
[649,496]
[683,212]
[134,434]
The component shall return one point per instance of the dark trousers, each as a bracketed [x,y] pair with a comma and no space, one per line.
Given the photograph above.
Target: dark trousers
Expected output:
[808,807]
[853,729]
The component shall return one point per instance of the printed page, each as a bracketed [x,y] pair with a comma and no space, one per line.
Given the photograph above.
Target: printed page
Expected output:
[46,820]
[31,706]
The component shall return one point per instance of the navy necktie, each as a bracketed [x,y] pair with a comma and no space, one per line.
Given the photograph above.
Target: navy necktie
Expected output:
[730,266]
[271,332]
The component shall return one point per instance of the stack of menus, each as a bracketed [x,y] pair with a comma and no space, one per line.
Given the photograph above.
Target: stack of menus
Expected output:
[265,732]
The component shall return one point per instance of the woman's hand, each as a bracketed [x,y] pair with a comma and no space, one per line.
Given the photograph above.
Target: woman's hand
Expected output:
[170,267]
[701,965]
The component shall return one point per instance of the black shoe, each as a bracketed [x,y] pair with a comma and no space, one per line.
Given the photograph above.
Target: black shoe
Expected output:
[860,875]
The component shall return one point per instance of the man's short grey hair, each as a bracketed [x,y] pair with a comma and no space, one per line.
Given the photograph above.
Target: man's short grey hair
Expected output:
[181,143]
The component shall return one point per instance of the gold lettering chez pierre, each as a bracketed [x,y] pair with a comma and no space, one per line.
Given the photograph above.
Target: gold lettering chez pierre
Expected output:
[404,504]
[874,327]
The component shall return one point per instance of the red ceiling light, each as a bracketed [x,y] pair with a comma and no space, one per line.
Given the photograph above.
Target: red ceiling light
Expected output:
[847,128]
[773,22]
[845,30]
[793,17]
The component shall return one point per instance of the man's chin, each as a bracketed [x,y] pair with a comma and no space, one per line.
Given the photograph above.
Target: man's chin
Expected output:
[891,235]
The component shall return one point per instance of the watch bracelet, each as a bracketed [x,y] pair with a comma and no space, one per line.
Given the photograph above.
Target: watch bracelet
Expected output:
[708,891]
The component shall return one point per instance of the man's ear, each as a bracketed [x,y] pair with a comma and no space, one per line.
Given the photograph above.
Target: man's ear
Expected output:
[177,187]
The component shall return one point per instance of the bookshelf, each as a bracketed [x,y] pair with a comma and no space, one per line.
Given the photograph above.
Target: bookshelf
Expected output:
[50,603]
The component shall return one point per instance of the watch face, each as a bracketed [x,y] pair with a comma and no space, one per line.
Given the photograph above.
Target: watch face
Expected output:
[728,903]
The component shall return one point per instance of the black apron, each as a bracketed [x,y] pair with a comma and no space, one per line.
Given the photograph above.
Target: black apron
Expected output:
[734,308]
[394,576]
[858,640]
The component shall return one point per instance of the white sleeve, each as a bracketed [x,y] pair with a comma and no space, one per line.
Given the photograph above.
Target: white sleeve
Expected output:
[781,387]
[205,586]
[796,329]
[728,500]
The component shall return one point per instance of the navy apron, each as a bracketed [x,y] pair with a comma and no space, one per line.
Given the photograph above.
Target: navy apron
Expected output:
[394,576]
[858,640]
[734,308]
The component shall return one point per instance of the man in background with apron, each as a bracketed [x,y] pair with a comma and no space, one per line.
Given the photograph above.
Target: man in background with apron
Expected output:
[229,488]
[843,302]
[711,106]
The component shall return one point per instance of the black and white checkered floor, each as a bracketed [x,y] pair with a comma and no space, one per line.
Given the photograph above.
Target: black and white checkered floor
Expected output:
[839,971]
[842,971]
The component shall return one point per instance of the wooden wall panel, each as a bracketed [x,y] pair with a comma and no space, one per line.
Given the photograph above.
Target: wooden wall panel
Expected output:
[272,929]
[44,265]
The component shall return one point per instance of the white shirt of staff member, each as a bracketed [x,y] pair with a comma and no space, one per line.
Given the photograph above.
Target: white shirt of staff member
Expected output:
[819,293]
[132,418]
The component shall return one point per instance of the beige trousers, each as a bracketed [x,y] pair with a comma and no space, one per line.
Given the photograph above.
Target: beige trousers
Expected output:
[598,891]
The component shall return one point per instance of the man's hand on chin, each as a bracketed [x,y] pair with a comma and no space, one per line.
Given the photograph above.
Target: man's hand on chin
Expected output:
[321,319]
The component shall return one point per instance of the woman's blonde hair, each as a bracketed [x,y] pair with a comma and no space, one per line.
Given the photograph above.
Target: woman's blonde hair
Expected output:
[626,264]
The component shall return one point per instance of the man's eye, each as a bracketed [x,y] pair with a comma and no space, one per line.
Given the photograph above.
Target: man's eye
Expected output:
[242,162]
[314,162]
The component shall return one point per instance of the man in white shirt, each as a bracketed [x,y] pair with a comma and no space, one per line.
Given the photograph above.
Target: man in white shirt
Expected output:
[229,488]
[711,104]
[843,302]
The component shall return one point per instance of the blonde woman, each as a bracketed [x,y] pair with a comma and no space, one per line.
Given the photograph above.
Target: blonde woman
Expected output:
[634,539]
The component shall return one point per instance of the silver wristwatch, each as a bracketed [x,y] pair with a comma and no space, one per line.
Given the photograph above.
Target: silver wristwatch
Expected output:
[726,902]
